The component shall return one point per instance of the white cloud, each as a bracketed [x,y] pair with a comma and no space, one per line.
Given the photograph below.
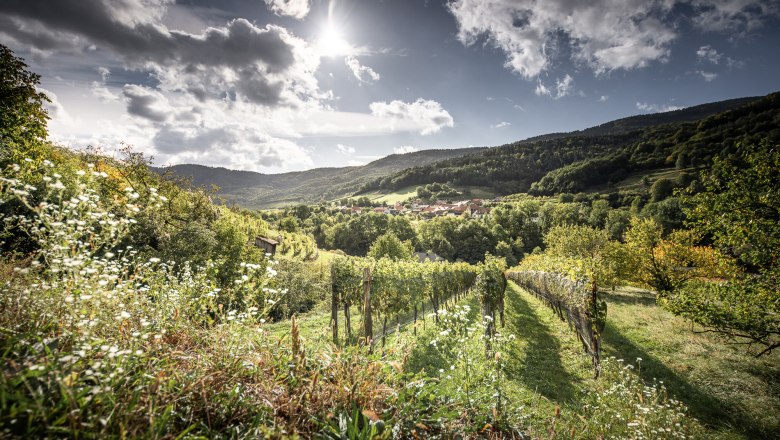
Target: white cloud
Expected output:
[605,34]
[707,53]
[405,149]
[344,149]
[104,73]
[604,98]
[427,116]
[362,73]
[54,108]
[733,15]
[291,8]
[563,87]
[655,108]
[518,107]
[708,76]
[501,124]
[99,89]
[541,89]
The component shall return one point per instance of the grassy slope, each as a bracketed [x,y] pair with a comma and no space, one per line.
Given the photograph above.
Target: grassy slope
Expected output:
[733,394]
[404,194]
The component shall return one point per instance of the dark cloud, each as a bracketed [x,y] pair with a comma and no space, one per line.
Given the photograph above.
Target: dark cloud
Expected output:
[257,88]
[146,103]
[122,27]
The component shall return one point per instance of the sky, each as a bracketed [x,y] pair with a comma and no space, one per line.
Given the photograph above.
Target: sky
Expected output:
[284,85]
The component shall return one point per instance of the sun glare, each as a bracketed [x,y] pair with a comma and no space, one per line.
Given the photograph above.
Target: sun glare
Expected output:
[332,43]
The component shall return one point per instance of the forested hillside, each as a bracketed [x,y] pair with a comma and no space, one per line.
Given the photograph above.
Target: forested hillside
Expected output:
[605,154]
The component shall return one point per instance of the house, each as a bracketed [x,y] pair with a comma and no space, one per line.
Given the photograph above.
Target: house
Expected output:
[423,257]
[266,244]
[478,211]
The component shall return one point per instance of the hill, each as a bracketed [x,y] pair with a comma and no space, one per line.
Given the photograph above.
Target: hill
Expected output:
[605,154]
[257,190]
[620,146]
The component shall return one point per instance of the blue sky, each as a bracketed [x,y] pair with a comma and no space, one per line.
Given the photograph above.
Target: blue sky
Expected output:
[282,85]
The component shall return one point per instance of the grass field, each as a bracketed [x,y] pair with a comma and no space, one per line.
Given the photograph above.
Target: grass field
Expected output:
[408,192]
[732,394]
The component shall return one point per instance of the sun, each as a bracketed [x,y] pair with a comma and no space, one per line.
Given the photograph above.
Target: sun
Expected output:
[332,43]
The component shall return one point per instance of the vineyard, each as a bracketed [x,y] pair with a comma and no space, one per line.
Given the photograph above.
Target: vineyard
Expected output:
[133,306]
[373,347]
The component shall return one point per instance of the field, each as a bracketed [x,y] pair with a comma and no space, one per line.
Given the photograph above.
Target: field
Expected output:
[408,192]
[732,394]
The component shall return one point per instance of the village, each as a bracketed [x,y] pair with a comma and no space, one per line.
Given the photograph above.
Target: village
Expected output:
[474,208]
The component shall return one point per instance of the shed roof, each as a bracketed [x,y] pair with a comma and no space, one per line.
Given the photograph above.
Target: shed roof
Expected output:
[267,240]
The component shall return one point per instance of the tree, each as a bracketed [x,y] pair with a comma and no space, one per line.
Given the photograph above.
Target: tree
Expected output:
[22,114]
[604,261]
[668,264]
[289,224]
[390,246]
[739,209]
[661,189]
[740,205]
[682,161]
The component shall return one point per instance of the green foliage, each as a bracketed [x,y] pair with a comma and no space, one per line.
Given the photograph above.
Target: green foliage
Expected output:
[491,283]
[739,208]
[745,311]
[389,246]
[436,191]
[597,257]
[667,264]
[355,234]
[740,205]
[570,294]
[22,114]
[354,426]
[661,189]
[457,238]
[289,224]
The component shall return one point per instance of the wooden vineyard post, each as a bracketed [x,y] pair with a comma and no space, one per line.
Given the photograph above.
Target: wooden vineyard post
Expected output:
[415,319]
[347,323]
[597,322]
[368,325]
[334,306]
